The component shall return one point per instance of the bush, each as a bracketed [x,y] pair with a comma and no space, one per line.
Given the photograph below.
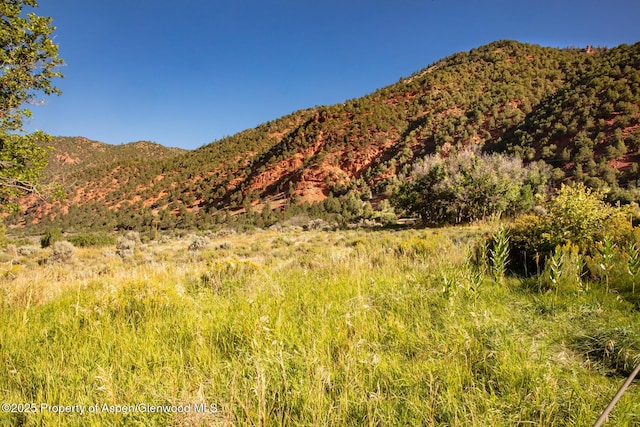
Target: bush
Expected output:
[50,237]
[198,243]
[318,224]
[62,251]
[385,214]
[133,236]
[579,215]
[529,243]
[92,239]
[576,216]
[125,246]
[469,186]
[27,250]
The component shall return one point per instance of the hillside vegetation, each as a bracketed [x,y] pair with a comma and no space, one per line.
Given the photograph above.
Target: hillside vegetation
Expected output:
[73,154]
[572,111]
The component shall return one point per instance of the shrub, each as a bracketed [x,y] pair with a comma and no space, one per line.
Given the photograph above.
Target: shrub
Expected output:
[385,218]
[133,236]
[62,251]
[385,214]
[198,243]
[468,187]
[27,250]
[92,239]
[529,243]
[579,215]
[125,247]
[576,216]
[318,224]
[50,237]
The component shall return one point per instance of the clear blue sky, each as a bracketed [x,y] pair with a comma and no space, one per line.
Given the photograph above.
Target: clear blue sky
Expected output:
[186,73]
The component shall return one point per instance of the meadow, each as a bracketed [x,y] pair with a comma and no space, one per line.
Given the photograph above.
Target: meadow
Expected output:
[291,327]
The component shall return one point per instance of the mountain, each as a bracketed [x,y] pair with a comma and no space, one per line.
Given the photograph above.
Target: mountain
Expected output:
[73,154]
[574,109]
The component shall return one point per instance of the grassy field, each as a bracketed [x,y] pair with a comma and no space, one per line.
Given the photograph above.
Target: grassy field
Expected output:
[354,327]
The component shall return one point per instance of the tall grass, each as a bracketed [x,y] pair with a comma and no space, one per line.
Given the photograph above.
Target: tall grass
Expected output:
[308,328]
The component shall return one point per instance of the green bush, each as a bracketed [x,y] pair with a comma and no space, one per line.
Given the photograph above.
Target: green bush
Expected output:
[92,239]
[576,216]
[50,237]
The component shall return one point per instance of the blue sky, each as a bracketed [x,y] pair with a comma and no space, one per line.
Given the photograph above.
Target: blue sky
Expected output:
[186,73]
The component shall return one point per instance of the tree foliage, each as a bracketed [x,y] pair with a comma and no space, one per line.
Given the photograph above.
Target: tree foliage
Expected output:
[28,63]
[576,215]
[469,186]
[22,159]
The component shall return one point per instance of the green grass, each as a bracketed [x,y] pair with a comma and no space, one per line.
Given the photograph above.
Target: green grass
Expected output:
[311,328]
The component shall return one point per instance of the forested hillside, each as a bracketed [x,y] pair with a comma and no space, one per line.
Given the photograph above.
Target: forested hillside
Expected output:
[574,112]
[73,154]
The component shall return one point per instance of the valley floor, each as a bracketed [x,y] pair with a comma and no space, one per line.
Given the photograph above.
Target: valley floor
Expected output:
[307,328]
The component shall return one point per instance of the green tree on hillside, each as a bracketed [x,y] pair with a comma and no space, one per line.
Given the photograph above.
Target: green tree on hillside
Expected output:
[28,62]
